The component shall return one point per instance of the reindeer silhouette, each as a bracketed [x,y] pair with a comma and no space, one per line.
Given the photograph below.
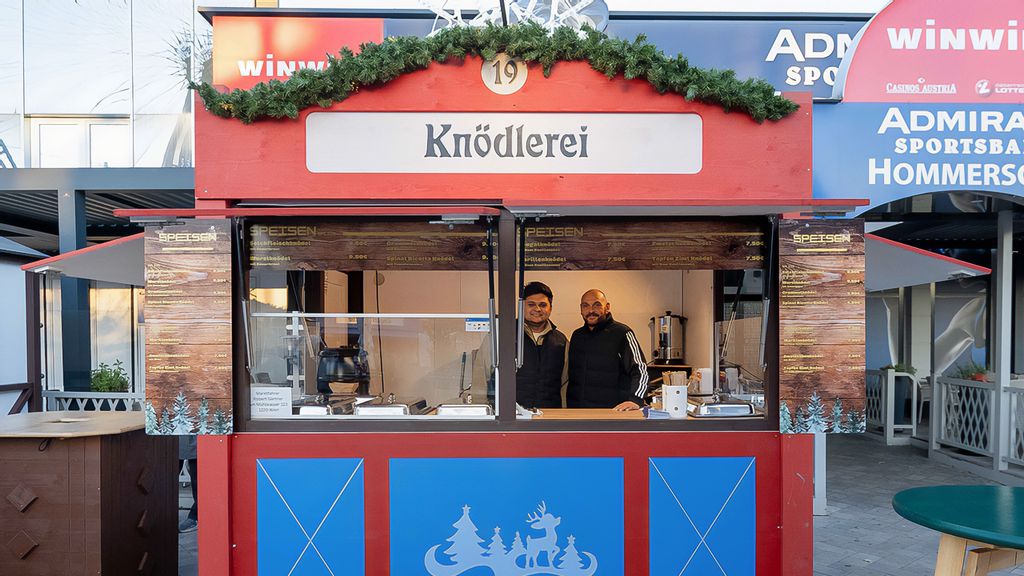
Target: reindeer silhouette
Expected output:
[547,543]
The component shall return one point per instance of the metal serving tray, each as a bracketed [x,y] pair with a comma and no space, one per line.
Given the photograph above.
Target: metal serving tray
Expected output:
[720,410]
[465,410]
[398,407]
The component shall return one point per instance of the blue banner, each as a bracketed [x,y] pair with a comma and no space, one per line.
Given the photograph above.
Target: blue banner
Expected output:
[885,152]
[507,516]
[793,55]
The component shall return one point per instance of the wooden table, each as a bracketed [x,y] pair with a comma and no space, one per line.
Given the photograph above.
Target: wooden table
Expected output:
[87,493]
[988,518]
[588,414]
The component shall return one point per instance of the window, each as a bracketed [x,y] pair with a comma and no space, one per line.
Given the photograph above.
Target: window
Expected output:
[80,142]
[378,319]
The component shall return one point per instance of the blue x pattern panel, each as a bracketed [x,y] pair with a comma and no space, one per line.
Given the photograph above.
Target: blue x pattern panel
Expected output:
[309,516]
[702,516]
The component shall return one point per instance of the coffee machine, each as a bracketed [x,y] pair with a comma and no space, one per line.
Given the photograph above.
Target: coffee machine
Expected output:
[343,365]
[668,336]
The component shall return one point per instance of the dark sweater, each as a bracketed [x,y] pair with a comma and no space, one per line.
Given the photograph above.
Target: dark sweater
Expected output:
[606,366]
[539,379]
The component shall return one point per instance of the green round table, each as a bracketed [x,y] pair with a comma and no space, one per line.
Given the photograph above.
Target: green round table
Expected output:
[990,517]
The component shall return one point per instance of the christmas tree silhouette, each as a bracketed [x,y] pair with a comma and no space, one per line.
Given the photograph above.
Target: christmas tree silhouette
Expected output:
[816,414]
[466,556]
[571,562]
[785,418]
[465,546]
[855,421]
[497,547]
[181,422]
[166,426]
[203,417]
[837,417]
[517,550]
[221,423]
[152,426]
[800,421]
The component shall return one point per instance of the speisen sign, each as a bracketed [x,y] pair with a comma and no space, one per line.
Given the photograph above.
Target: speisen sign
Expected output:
[891,151]
[503,143]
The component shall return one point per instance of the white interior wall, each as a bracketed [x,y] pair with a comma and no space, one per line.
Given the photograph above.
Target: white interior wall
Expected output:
[423,357]
[699,309]
[634,296]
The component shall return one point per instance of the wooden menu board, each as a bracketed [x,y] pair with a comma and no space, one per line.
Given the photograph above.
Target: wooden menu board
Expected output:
[552,244]
[821,323]
[188,328]
[568,244]
[367,245]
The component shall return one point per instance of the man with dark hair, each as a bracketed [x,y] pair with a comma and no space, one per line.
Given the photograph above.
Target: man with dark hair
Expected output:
[539,379]
[606,366]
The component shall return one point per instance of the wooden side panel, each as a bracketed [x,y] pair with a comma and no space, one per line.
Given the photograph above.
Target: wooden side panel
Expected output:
[188,328]
[38,540]
[821,322]
[139,504]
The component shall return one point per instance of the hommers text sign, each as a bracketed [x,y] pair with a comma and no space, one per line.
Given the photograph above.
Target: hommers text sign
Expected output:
[503,143]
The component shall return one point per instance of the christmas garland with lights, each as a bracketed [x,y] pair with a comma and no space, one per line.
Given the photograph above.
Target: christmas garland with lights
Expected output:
[378,64]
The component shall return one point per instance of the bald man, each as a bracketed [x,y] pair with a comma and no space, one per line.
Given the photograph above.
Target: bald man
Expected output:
[606,366]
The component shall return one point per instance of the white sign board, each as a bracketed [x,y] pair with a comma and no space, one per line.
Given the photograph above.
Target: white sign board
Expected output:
[270,401]
[503,143]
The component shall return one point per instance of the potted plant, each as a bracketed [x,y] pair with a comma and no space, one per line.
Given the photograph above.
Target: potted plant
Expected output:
[971,371]
[109,378]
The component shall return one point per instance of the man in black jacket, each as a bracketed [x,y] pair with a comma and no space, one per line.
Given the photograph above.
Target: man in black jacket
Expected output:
[539,379]
[606,366]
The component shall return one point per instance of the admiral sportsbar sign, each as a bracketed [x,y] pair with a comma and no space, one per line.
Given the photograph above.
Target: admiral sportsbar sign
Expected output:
[503,143]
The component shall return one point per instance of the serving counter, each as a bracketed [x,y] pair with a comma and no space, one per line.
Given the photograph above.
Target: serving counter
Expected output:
[87,493]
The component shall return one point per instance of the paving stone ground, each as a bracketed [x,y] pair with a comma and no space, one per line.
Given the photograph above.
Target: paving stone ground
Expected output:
[861,536]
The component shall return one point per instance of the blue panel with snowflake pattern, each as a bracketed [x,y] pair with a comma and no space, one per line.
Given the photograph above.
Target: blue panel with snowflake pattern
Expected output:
[506,516]
[309,516]
[703,516]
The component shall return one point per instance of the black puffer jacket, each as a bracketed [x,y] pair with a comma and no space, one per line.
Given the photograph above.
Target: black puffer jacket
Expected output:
[606,366]
[539,379]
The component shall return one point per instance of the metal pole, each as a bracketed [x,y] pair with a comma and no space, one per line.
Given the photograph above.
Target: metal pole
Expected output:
[506,383]
[935,404]
[504,13]
[1002,336]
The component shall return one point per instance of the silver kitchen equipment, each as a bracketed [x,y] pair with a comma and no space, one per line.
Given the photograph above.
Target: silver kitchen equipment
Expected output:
[465,410]
[668,336]
[720,409]
[392,406]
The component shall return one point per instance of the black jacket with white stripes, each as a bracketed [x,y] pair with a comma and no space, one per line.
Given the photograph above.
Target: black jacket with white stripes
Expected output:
[606,366]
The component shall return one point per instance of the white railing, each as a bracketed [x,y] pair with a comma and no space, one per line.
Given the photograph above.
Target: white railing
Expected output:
[965,414]
[1016,441]
[881,405]
[76,401]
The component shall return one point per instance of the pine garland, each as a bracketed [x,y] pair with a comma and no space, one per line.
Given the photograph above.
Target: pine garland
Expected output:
[378,64]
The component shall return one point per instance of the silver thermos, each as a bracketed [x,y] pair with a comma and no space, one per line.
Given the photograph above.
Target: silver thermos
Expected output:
[668,336]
